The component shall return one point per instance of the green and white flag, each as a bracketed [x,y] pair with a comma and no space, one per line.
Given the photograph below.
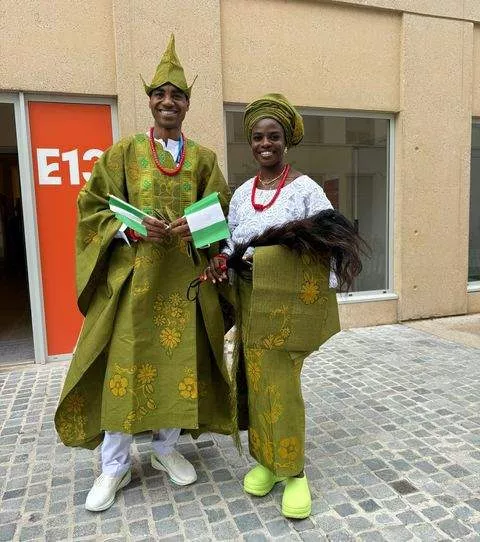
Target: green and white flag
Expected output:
[128,214]
[206,221]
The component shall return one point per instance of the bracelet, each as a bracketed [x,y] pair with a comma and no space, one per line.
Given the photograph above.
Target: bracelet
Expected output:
[132,235]
[224,257]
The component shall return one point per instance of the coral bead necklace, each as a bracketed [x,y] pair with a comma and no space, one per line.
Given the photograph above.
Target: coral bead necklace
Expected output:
[164,170]
[281,184]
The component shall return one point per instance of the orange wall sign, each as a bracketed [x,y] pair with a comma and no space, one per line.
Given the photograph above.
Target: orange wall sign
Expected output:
[66,139]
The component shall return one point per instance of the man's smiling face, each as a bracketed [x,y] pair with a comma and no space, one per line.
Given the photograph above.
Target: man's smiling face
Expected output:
[169,105]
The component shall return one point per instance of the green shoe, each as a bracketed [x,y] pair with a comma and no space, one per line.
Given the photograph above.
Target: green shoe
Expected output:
[260,481]
[296,501]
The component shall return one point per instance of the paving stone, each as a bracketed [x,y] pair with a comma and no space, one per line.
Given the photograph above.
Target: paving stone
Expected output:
[372,536]
[57,535]
[453,528]
[247,522]
[345,509]
[427,533]
[225,531]
[138,529]
[7,532]
[328,523]
[409,517]
[215,514]
[112,527]
[184,496]
[403,487]
[255,537]
[474,503]
[210,500]
[31,533]
[358,524]
[190,510]
[239,506]
[303,525]
[397,534]
[166,526]
[162,511]
[86,529]
[369,505]
[221,475]
[278,527]
[340,536]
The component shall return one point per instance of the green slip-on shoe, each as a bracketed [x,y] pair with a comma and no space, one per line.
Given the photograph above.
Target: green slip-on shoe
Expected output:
[260,481]
[296,501]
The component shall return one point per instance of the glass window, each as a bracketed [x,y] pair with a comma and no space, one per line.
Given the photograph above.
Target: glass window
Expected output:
[474,240]
[348,157]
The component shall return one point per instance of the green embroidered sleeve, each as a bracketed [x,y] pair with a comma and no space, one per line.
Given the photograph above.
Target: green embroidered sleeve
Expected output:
[97,225]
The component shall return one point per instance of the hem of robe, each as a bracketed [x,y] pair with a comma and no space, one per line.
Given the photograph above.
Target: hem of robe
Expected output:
[289,473]
[92,442]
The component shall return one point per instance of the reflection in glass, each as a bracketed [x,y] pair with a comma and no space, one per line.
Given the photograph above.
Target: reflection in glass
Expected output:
[348,157]
[474,239]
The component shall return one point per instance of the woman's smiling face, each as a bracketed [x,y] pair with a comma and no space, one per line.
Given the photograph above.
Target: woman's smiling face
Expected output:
[268,142]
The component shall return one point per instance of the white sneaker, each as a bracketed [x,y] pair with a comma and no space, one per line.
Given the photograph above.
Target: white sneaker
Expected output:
[102,494]
[180,471]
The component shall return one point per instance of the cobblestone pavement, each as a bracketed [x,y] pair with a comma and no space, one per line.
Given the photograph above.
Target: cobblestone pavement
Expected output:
[393,453]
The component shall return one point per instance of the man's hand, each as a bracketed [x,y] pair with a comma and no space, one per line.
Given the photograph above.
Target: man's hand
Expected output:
[157,230]
[181,228]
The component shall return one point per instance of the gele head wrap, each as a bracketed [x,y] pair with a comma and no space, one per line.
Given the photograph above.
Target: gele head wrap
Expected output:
[277,107]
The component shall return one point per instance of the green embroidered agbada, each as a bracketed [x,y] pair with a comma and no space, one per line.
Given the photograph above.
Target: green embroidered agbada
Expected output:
[146,357]
[287,311]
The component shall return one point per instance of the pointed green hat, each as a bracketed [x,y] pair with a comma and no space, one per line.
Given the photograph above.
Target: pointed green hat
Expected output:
[169,71]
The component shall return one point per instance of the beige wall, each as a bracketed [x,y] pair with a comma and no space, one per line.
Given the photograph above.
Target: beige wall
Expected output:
[372,313]
[473,302]
[64,47]
[311,54]
[455,9]
[431,203]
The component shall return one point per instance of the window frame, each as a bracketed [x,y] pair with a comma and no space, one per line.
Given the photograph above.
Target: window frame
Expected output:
[367,295]
[473,285]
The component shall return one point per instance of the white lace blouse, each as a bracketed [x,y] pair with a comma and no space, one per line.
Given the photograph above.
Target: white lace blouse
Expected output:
[301,198]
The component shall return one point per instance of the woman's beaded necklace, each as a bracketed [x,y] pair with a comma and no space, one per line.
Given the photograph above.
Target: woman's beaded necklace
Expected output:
[271,181]
[164,170]
[281,184]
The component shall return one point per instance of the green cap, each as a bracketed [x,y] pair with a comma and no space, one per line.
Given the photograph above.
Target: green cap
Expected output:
[169,71]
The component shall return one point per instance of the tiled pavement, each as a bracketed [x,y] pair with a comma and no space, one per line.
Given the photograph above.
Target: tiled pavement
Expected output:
[393,453]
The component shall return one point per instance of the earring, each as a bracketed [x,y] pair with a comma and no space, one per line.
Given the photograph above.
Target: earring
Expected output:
[285,150]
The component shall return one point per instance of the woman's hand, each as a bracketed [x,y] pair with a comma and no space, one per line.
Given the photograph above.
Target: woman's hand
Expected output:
[181,228]
[157,230]
[217,269]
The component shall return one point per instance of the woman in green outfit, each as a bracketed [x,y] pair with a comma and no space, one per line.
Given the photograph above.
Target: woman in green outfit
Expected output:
[285,242]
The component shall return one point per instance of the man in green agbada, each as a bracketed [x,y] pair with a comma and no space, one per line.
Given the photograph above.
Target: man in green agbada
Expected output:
[147,359]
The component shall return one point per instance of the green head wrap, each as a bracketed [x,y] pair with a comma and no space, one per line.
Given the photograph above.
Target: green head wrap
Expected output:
[277,107]
[169,71]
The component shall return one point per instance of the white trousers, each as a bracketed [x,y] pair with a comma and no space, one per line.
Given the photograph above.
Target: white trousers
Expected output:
[116,449]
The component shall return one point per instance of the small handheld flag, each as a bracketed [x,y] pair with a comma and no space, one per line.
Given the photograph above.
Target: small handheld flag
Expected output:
[206,221]
[128,214]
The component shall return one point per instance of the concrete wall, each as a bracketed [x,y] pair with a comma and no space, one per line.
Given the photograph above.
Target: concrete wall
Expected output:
[418,59]
[312,54]
[64,47]
[433,174]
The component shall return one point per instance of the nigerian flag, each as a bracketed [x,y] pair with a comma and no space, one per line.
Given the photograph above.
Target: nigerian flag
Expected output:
[206,221]
[128,214]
